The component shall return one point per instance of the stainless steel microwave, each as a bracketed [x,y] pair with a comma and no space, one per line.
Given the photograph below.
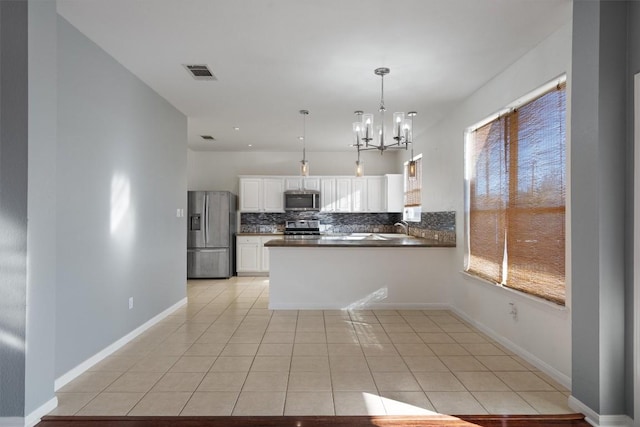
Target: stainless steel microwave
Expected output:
[301,200]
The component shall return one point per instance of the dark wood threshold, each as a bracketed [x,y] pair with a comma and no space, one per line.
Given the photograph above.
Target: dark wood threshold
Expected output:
[321,421]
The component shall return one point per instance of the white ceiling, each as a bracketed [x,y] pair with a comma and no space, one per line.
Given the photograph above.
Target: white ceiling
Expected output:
[275,57]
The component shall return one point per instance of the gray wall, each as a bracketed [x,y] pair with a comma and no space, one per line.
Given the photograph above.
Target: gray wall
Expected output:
[41,242]
[13,205]
[598,148]
[121,175]
[633,61]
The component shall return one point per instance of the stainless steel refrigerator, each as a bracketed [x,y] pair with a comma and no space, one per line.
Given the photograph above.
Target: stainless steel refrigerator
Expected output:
[211,224]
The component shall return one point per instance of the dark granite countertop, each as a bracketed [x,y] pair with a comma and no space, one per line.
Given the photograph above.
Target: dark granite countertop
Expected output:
[372,241]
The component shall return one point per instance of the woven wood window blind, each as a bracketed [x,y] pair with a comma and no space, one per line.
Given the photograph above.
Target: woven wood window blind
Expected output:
[516,215]
[413,187]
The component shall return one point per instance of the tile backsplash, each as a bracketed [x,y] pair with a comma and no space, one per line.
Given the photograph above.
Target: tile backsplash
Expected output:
[330,222]
[434,225]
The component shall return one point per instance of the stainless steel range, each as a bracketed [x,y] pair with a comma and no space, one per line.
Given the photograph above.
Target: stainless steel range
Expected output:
[302,229]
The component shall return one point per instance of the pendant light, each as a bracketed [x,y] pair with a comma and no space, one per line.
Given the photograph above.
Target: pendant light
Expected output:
[413,166]
[359,167]
[304,164]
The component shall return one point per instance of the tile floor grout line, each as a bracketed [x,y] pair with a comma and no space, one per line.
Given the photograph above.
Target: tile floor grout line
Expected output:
[246,309]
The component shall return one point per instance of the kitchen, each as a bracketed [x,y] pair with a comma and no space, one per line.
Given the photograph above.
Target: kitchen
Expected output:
[134,169]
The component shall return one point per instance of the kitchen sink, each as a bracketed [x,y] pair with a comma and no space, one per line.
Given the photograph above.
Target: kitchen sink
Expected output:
[346,237]
[389,236]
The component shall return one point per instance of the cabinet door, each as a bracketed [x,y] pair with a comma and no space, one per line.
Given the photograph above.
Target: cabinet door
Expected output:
[265,251]
[292,183]
[394,192]
[375,194]
[273,194]
[248,254]
[250,194]
[311,184]
[328,194]
[358,195]
[343,195]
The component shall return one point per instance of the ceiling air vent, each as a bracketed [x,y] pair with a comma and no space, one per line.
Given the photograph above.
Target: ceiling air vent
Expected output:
[207,137]
[200,72]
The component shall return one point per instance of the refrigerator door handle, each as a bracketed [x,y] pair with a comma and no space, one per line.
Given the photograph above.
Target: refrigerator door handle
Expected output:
[206,218]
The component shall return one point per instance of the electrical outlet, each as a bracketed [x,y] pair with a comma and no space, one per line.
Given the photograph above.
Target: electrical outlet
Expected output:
[178,213]
[130,303]
[514,311]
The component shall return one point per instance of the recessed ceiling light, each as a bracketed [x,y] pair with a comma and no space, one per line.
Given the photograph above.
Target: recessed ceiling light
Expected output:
[236,128]
[301,138]
[250,145]
[207,137]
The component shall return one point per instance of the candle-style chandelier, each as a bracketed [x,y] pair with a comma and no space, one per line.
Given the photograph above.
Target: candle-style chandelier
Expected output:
[366,137]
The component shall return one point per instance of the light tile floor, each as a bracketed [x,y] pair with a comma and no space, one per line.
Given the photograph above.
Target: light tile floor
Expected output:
[225,353]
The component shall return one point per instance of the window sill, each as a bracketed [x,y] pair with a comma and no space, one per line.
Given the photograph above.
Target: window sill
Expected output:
[533,300]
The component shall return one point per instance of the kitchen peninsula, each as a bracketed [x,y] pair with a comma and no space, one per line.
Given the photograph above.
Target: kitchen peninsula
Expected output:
[357,271]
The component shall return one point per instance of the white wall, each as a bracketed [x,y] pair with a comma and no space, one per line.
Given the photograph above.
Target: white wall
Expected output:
[542,331]
[394,278]
[121,175]
[209,170]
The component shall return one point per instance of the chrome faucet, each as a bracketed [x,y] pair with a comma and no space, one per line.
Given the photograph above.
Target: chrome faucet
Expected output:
[404,225]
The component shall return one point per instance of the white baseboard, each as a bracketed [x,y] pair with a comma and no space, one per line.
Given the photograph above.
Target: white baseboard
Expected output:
[82,367]
[561,378]
[408,306]
[34,417]
[597,420]
[11,422]
[372,306]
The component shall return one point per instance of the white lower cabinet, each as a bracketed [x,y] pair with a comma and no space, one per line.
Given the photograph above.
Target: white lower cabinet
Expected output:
[248,254]
[251,255]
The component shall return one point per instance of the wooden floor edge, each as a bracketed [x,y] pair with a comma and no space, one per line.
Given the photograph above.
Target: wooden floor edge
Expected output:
[317,421]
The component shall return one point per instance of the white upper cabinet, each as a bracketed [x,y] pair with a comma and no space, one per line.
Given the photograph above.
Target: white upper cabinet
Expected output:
[292,183]
[311,183]
[337,193]
[300,183]
[251,194]
[343,195]
[375,194]
[261,195]
[328,194]
[394,196]
[273,194]
[358,194]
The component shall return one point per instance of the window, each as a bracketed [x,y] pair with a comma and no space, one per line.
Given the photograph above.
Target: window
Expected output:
[413,191]
[515,204]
